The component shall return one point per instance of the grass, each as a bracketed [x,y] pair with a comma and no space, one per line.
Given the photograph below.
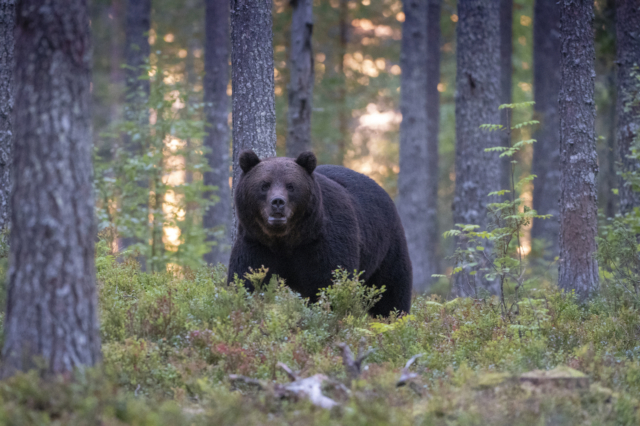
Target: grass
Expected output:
[171,341]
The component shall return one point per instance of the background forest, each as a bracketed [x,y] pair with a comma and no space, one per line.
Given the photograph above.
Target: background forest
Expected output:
[522,313]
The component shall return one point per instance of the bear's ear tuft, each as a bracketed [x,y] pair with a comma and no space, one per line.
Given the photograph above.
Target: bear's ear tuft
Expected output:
[248,160]
[307,160]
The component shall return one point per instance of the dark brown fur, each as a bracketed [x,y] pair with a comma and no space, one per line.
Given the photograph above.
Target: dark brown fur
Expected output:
[303,222]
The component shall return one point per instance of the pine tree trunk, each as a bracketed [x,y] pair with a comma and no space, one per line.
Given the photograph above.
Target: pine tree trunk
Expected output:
[478,93]
[546,151]
[578,268]
[52,307]
[628,38]
[433,122]
[253,97]
[506,49]
[302,79]
[7,26]
[137,49]
[217,218]
[343,111]
[416,207]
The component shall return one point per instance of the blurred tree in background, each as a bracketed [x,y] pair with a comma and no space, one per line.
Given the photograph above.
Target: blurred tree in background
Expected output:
[356,96]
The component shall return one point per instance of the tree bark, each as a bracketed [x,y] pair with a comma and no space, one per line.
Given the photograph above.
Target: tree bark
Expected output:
[578,268]
[52,307]
[343,111]
[7,26]
[416,207]
[433,121]
[506,49]
[137,49]
[546,151]
[628,107]
[477,100]
[216,78]
[302,79]
[253,97]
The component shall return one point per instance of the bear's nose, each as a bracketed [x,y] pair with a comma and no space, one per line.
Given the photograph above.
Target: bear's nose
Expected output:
[277,203]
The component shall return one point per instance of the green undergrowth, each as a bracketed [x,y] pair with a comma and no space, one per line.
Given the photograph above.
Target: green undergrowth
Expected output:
[171,341]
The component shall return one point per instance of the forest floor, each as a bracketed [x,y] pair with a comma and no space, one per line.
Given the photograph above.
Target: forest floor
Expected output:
[187,349]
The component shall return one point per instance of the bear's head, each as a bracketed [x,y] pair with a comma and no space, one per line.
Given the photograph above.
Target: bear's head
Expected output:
[276,197]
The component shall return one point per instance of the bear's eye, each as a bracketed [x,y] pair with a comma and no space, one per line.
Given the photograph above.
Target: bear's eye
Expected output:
[290,187]
[265,186]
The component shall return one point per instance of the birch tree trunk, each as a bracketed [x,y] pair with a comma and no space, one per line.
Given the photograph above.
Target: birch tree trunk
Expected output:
[478,93]
[52,308]
[546,151]
[416,207]
[7,26]
[302,79]
[628,107]
[253,97]
[578,268]
[216,78]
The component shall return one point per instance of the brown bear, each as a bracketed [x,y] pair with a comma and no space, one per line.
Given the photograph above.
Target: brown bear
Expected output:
[303,222]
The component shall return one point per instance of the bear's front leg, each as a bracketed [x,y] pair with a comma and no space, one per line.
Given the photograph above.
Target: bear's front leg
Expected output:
[245,256]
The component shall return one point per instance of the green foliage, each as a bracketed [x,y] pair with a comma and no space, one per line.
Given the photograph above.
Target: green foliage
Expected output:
[503,260]
[171,340]
[137,197]
[619,260]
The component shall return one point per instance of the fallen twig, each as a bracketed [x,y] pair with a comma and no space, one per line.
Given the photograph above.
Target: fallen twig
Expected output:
[354,366]
[407,375]
[309,387]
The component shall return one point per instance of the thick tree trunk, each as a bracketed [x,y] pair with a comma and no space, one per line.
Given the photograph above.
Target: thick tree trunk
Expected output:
[477,100]
[628,111]
[506,49]
[216,78]
[7,26]
[578,199]
[416,207]
[52,307]
[546,151]
[138,23]
[253,97]
[302,79]
[433,121]
[343,111]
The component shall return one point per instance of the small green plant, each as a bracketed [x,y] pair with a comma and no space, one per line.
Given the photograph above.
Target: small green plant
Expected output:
[349,296]
[145,195]
[496,253]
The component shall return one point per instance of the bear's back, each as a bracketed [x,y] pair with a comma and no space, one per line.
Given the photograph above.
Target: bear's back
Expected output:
[378,218]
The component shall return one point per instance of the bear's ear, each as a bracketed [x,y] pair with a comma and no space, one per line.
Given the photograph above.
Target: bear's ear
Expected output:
[248,160]
[307,160]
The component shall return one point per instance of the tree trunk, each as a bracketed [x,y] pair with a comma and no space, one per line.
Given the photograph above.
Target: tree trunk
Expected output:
[477,100]
[137,49]
[546,151]
[416,207]
[302,79]
[578,199]
[52,306]
[217,218]
[433,122]
[253,97]
[7,25]
[628,111]
[343,111]
[506,49]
